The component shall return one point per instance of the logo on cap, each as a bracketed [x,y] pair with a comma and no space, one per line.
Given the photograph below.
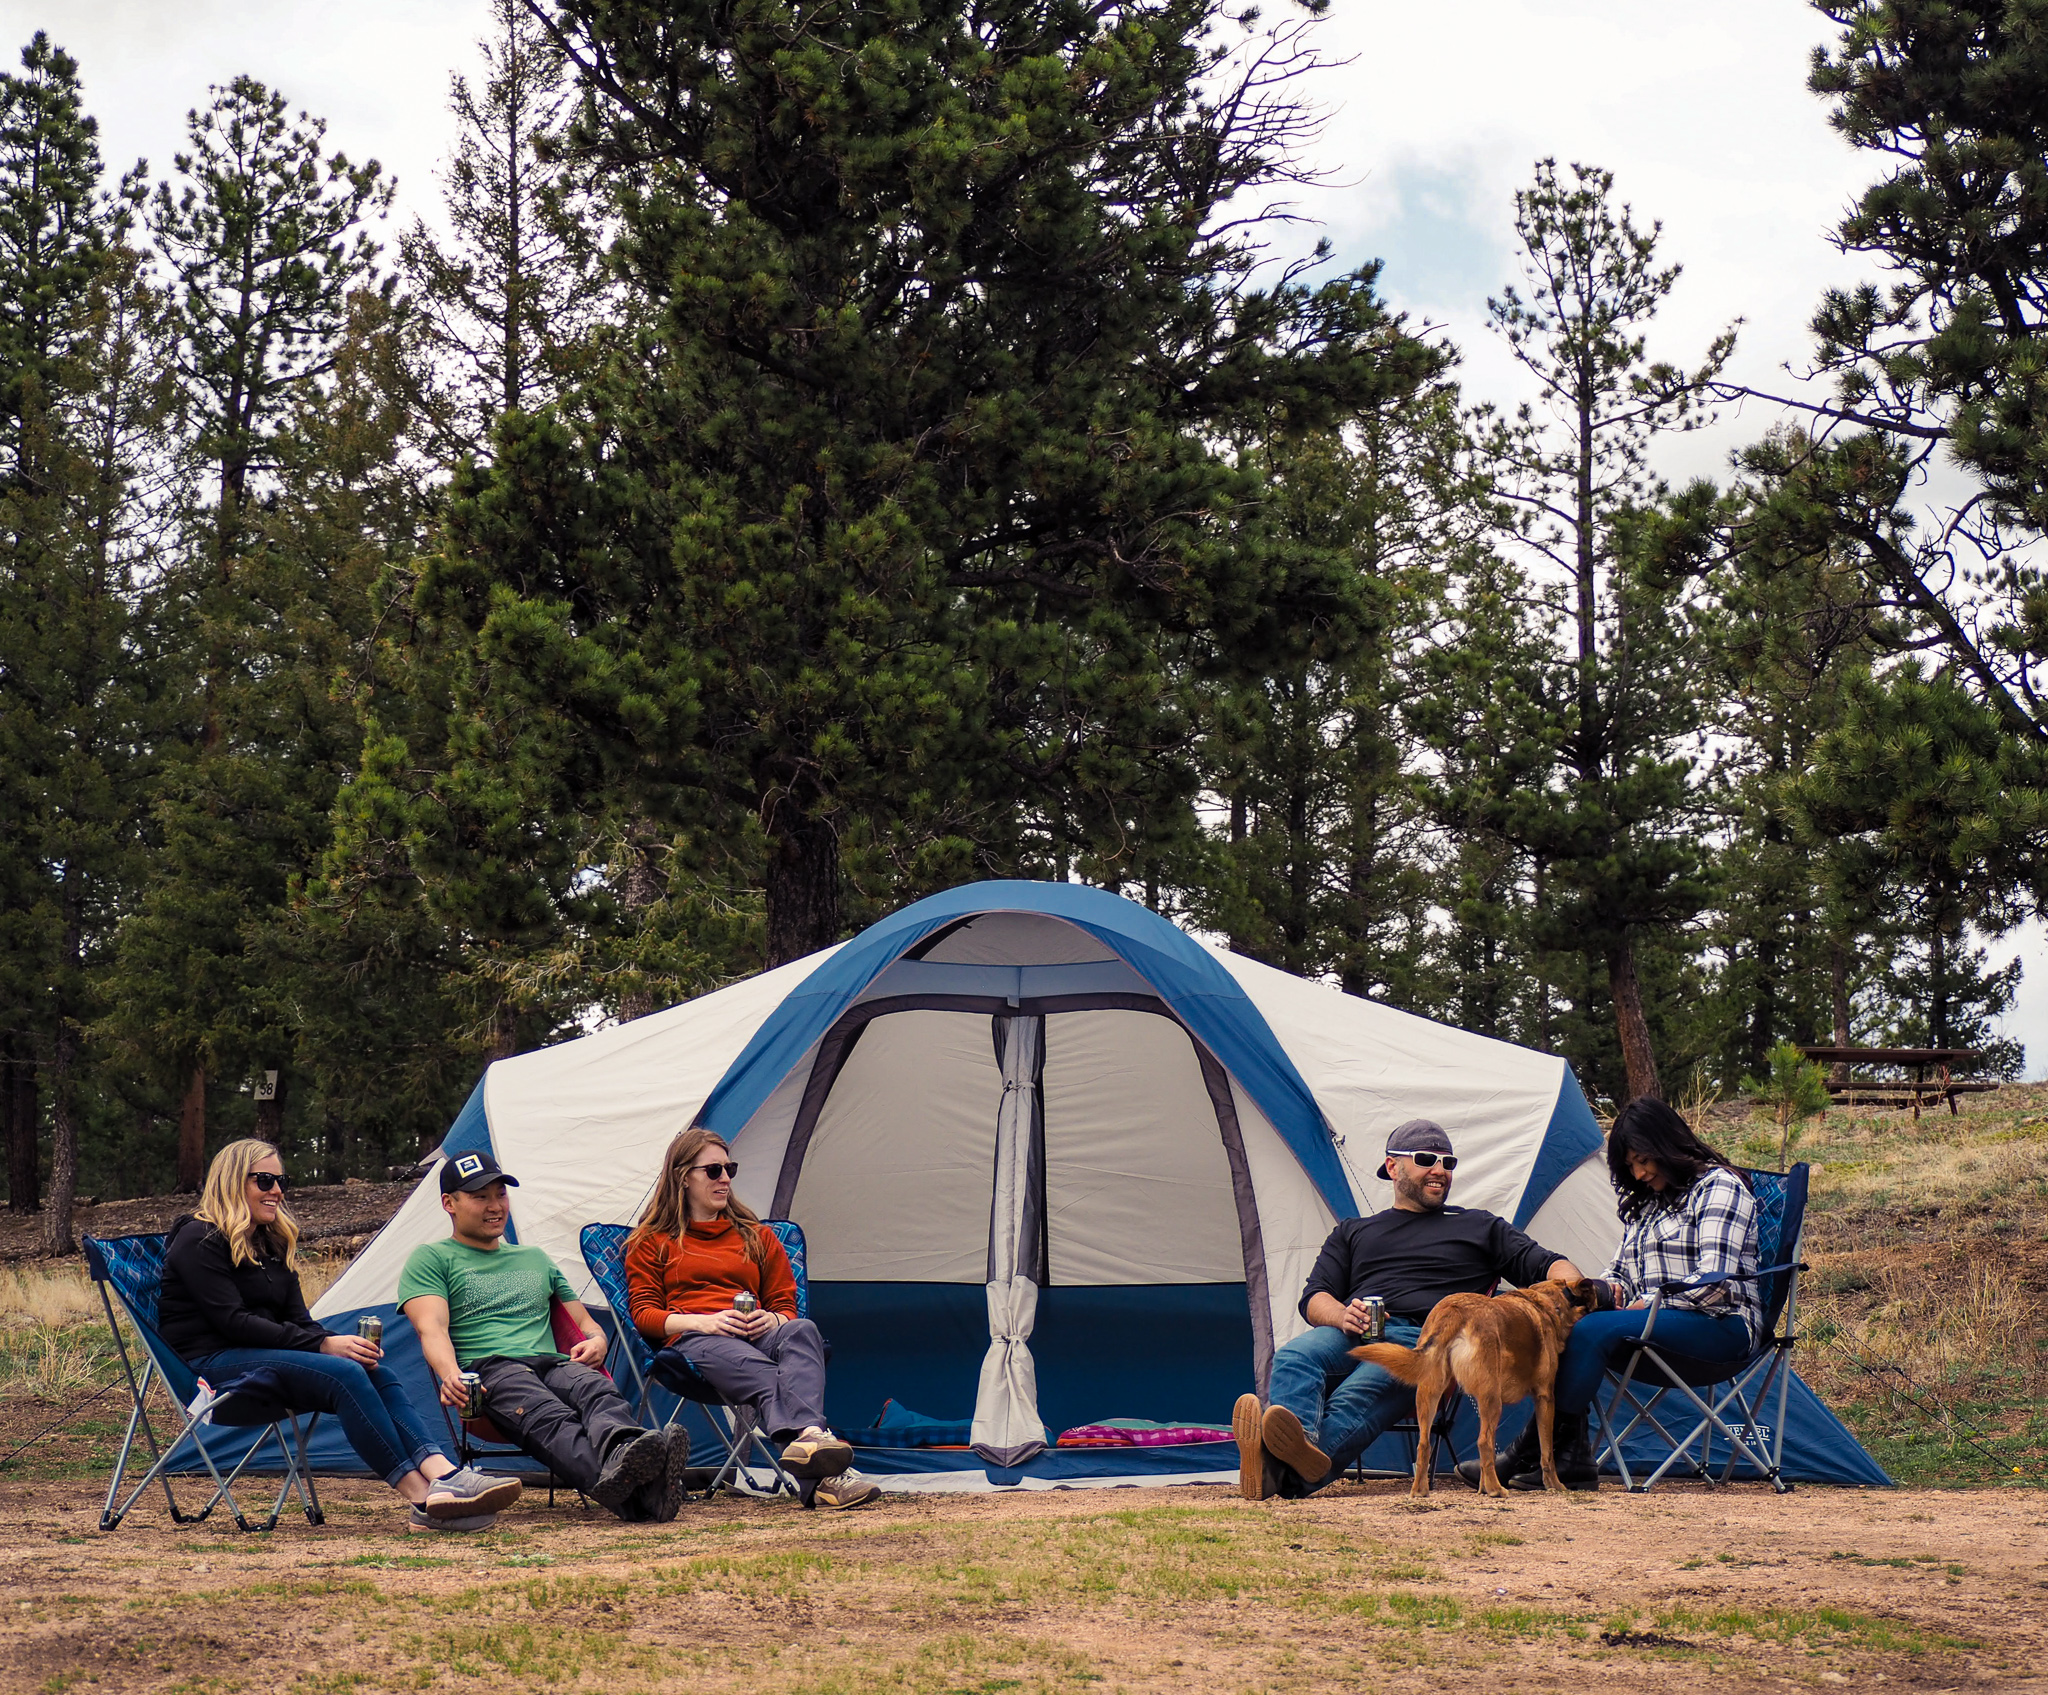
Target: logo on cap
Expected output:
[469,1164]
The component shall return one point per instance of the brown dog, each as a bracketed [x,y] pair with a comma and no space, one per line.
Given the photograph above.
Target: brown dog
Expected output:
[1497,1348]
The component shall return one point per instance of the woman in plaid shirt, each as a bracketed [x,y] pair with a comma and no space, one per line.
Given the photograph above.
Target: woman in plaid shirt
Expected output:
[1685,1212]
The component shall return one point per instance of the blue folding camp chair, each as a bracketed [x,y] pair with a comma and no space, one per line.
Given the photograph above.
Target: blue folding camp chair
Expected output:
[130,1270]
[1727,1410]
[604,1252]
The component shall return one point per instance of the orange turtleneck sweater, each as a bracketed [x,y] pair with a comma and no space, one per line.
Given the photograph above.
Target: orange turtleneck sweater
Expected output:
[702,1273]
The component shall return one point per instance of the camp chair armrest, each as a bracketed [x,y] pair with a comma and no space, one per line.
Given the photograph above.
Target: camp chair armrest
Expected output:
[1707,1279]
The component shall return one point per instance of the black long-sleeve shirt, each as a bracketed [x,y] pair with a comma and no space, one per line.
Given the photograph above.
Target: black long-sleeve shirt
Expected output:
[209,1303]
[1411,1260]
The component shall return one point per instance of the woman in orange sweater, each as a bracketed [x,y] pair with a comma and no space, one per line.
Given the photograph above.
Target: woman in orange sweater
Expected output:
[696,1248]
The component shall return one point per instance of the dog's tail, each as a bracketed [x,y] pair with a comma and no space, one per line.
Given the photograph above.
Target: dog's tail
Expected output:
[1393,1359]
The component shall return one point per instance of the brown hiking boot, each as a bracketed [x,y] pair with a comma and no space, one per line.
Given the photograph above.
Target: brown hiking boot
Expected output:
[1288,1443]
[815,1452]
[848,1489]
[1254,1469]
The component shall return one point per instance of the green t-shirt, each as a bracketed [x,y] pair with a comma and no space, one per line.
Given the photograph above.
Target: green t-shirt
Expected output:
[498,1298]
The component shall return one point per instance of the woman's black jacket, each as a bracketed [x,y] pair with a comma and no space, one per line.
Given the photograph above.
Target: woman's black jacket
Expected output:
[209,1303]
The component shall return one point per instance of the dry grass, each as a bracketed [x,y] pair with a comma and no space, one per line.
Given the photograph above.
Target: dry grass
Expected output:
[53,1331]
[52,1293]
[1922,1321]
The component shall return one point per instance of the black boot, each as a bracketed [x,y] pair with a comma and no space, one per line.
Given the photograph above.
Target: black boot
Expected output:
[1571,1449]
[1520,1455]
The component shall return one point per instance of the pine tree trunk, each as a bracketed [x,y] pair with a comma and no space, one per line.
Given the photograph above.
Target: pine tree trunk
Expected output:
[1937,997]
[1629,1022]
[1838,996]
[644,888]
[504,1041]
[63,1142]
[804,909]
[333,1146]
[192,1134]
[18,1102]
[1763,1008]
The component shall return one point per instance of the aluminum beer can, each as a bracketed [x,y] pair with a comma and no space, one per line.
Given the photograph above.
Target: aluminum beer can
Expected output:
[1375,1315]
[371,1328]
[472,1394]
[744,1303]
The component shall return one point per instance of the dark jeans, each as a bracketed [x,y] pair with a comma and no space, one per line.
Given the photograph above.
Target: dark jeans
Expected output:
[375,1412]
[566,1415]
[1343,1404]
[1690,1340]
[779,1379]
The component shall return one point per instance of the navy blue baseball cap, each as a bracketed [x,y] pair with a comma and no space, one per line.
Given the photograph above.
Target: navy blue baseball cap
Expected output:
[471,1172]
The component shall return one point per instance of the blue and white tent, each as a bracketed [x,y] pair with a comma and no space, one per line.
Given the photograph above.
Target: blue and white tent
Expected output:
[1057,1163]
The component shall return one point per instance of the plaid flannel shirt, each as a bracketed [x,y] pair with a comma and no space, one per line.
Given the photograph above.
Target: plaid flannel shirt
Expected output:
[1710,1227]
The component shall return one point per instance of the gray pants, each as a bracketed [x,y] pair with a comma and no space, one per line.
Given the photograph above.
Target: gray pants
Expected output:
[779,1379]
[566,1415]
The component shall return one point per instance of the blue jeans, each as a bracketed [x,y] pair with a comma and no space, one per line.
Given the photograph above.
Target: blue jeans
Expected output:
[1343,1403]
[1688,1339]
[375,1412]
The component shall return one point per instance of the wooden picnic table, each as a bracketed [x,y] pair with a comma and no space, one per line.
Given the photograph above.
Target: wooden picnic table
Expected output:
[1918,1060]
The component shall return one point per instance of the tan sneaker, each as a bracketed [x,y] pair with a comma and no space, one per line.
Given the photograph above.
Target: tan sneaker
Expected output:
[1254,1473]
[816,1453]
[1288,1443]
[848,1489]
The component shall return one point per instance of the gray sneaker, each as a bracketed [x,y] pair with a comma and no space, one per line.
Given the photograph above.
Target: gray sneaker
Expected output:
[628,1466]
[468,1492]
[417,1523]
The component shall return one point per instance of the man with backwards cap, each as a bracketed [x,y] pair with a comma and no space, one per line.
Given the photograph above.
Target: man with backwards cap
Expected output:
[482,1304]
[1326,1407]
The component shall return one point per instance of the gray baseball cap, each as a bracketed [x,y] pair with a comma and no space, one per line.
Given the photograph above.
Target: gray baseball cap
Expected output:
[1417,1136]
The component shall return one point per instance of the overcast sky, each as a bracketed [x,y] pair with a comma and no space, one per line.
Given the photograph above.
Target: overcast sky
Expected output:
[1700,111]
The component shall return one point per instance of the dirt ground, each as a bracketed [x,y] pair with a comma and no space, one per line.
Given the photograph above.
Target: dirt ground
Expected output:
[1183,1590]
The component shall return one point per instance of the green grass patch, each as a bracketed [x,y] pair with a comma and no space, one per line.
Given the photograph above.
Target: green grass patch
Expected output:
[1817,1627]
[396,1562]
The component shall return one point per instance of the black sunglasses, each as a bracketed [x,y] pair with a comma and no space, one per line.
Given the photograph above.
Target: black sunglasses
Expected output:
[268,1180]
[1425,1160]
[731,1168]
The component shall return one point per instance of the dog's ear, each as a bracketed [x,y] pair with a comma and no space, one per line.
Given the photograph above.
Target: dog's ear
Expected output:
[1582,1293]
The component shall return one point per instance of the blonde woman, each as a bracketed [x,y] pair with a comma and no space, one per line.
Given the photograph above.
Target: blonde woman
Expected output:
[231,1303]
[694,1251]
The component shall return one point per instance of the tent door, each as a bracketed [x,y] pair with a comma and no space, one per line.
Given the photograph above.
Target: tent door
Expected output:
[1007,1429]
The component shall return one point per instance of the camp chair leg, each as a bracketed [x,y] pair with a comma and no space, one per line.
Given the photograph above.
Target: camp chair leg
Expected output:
[300,1474]
[740,1437]
[138,1419]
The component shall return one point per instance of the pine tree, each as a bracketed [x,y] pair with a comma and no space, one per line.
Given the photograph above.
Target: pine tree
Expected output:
[905,520]
[1320,868]
[1943,94]
[79,366]
[1481,712]
[1790,628]
[265,242]
[54,231]
[51,234]
[1904,789]
[1607,819]
[513,295]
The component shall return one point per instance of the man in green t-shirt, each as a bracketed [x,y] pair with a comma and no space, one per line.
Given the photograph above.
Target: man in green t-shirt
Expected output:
[482,1304]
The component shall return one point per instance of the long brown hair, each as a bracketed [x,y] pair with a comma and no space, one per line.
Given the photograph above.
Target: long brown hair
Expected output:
[1651,1130]
[668,1215]
[224,1203]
